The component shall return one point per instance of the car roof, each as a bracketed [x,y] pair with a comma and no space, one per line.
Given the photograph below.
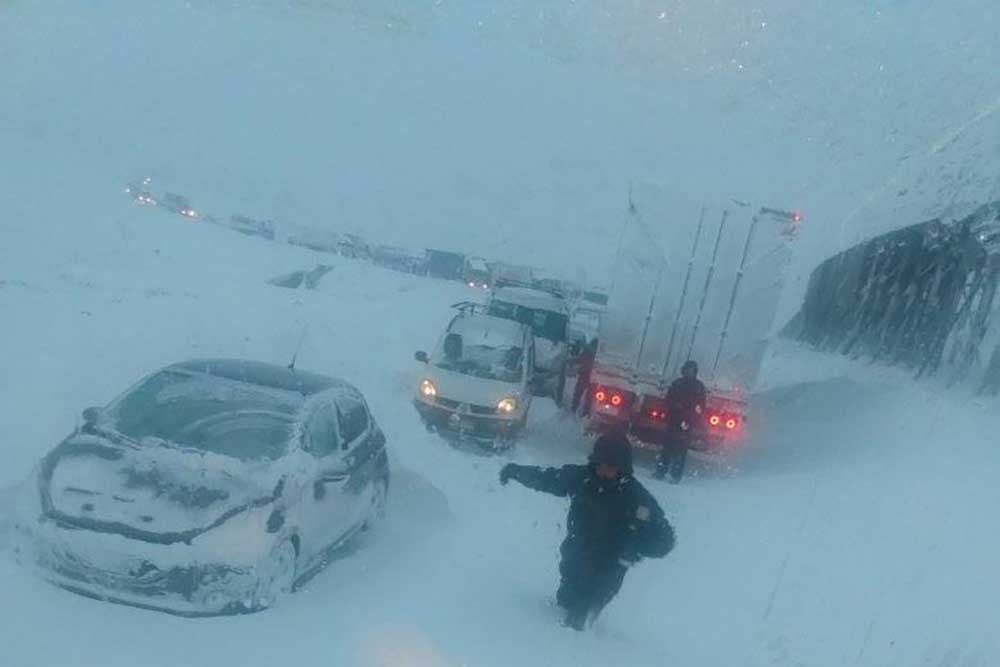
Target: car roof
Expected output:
[265,375]
[531,298]
[480,326]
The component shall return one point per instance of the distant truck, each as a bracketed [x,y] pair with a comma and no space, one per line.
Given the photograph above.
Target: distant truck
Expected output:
[320,241]
[716,305]
[251,227]
[596,296]
[445,264]
[513,274]
[399,259]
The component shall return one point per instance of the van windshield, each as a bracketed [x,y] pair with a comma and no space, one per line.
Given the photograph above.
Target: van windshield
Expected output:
[502,363]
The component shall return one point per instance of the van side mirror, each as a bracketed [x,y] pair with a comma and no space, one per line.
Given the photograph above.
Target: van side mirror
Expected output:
[421,356]
[90,418]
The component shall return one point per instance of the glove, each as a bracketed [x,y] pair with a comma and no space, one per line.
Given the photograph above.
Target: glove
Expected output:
[626,563]
[507,472]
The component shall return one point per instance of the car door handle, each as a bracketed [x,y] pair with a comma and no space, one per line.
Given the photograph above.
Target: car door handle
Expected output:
[333,478]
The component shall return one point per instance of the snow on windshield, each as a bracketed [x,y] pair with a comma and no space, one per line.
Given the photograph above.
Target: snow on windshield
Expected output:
[484,347]
[208,413]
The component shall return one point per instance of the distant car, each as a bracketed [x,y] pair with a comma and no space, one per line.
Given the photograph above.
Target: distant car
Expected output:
[476,383]
[548,316]
[353,246]
[140,195]
[210,487]
[179,204]
[477,273]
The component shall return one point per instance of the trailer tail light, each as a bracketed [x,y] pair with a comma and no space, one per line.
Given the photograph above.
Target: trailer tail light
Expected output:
[654,408]
[612,398]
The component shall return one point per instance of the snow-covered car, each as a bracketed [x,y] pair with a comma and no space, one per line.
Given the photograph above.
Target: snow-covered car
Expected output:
[476,382]
[210,487]
[548,316]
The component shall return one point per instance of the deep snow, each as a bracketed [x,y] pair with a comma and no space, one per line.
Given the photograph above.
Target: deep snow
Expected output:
[829,541]
[858,526]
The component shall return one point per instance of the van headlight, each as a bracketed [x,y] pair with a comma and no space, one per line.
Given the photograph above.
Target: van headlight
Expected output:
[506,406]
[427,389]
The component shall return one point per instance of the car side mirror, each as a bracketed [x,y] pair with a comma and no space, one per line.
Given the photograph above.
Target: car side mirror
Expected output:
[91,416]
[422,357]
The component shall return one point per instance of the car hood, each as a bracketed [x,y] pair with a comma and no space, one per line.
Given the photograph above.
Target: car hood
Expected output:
[153,492]
[469,389]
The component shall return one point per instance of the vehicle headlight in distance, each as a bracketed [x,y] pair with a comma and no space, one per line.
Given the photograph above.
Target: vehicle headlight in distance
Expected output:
[427,389]
[507,405]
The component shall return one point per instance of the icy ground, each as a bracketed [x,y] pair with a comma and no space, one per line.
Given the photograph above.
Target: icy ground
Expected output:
[858,527]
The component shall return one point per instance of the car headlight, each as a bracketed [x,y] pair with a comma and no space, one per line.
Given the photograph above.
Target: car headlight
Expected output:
[427,389]
[507,405]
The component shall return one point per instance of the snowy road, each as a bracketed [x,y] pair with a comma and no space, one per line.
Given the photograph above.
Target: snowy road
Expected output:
[853,530]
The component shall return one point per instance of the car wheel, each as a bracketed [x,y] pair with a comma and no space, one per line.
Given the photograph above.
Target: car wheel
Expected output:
[277,575]
[376,509]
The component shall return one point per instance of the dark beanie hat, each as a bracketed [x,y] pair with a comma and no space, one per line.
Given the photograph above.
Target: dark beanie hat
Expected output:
[613,448]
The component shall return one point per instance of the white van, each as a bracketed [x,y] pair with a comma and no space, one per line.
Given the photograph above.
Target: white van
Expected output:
[476,383]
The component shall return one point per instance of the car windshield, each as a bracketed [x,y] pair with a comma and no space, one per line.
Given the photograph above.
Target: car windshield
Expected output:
[212,414]
[503,363]
[546,324]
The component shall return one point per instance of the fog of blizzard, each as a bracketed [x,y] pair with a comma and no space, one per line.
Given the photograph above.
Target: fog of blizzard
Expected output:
[855,527]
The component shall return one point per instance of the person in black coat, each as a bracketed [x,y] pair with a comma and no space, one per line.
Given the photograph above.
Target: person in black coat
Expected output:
[585,366]
[686,400]
[613,523]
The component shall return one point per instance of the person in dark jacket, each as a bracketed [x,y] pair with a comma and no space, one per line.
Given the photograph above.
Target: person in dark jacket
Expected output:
[613,523]
[686,400]
[585,366]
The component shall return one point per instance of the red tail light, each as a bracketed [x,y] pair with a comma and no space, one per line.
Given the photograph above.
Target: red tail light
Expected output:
[616,400]
[715,420]
[731,423]
[600,395]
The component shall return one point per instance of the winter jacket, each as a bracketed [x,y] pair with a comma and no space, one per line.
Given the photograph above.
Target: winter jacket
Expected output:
[686,399]
[610,521]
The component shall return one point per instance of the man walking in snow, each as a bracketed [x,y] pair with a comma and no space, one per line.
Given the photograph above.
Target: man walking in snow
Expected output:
[613,523]
[686,400]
